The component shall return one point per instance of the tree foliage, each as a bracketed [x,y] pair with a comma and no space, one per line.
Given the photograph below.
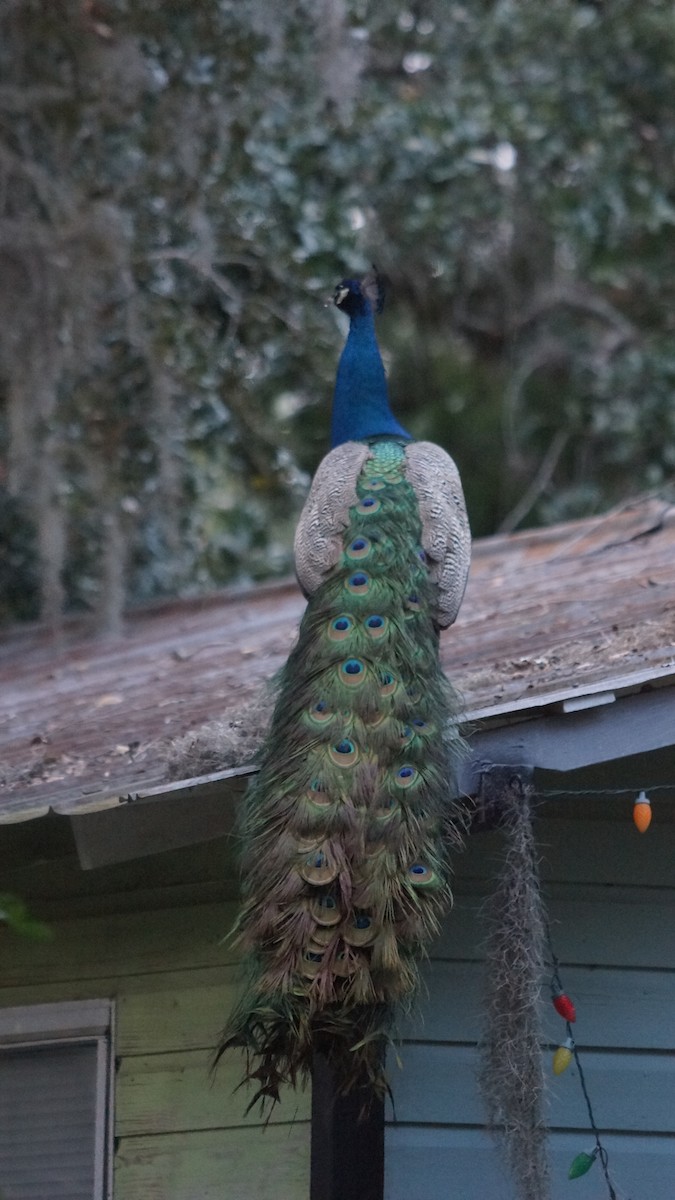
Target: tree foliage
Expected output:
[181,186]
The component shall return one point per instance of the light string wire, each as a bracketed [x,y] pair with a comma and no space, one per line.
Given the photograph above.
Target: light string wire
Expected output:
[600,1149]
[547,793]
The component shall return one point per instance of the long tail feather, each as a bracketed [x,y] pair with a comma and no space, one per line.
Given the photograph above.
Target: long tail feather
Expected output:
[347,827]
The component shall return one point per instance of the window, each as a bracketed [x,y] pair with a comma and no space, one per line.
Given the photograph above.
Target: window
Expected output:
[55,1101]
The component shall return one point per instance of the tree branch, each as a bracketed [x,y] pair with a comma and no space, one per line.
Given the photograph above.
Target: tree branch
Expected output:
[539,484]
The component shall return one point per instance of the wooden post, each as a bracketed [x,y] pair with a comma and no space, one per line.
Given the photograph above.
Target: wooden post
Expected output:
[347,1160]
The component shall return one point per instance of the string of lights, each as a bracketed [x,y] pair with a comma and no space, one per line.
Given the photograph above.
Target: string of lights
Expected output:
[550,793]
[642,808]
[564,1055]
[567,1052]
[622,791]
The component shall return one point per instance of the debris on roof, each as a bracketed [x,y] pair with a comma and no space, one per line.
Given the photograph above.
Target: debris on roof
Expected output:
[548,614]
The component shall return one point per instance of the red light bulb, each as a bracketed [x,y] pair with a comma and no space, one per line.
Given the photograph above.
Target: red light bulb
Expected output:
[564,1006]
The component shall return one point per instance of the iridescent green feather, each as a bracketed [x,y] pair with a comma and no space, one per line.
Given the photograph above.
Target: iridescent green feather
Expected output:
[347,826]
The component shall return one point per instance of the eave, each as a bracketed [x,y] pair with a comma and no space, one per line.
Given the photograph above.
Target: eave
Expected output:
[564,654]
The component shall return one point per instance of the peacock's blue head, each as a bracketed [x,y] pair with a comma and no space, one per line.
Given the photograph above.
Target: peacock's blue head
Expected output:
[349,298]
[361,400]
[356,296]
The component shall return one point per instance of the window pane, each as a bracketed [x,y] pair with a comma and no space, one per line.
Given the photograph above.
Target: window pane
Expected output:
[47,1122]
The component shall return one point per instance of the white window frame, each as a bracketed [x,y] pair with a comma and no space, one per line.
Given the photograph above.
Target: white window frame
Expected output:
[67,1023]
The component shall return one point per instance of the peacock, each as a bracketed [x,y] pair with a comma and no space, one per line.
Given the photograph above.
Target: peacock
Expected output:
[347,827]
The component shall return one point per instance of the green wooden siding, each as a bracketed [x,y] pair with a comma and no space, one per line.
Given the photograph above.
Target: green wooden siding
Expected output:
[611,901]
[224,1164]
[179,1133]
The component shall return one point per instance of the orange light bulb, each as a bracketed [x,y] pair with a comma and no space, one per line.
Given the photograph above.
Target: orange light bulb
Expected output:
[642,813]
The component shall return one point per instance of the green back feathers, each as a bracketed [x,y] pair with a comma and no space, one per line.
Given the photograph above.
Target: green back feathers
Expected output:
[346,826]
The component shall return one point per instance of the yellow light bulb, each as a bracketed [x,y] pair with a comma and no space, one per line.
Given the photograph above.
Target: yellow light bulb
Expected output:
[563,1057]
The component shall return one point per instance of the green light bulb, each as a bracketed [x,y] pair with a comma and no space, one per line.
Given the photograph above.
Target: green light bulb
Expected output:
[582,1163]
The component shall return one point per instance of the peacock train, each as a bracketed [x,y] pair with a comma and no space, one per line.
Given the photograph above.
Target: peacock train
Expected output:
[347,829]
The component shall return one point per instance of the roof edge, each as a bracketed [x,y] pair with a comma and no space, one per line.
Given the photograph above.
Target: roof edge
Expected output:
[206,786]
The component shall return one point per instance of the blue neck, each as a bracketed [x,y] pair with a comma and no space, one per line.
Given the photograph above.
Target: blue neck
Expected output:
[361,400]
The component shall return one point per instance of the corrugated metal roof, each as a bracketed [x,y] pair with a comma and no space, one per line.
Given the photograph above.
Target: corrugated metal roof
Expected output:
[574,609]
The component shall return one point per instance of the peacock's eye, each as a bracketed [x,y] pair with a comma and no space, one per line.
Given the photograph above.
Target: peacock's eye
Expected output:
[422,875]
[344,753]
[344,747]
[358,583]
[320,713]
[353,666]
[376,626]
[340,628]
[406,776]
[368,506]
[388,683]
